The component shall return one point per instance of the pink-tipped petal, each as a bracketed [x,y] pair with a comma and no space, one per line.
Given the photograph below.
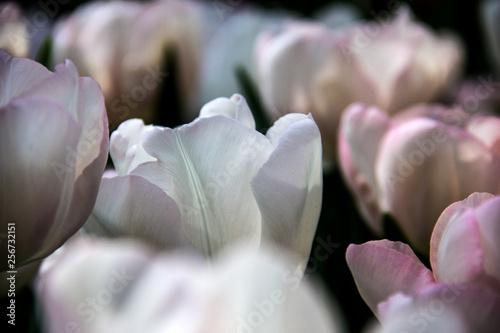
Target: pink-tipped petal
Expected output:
[488,218]
[361,132]
[382,268]
[452,212]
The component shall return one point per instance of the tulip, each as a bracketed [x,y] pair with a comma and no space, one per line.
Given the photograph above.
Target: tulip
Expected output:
[213,182]
[54,135]
[465,244]
[415,164]
[308,68]
[130,289]
[464,281]
[123,44]
[13,32]
[442,308]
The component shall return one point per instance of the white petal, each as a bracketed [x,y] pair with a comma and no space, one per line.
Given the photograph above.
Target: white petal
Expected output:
[125,146]
[289,186]
[261,293]
[132,207]
[206,167]
[234,108]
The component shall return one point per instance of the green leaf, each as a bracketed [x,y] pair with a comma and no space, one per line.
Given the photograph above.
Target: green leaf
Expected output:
[45,51]
[251,94]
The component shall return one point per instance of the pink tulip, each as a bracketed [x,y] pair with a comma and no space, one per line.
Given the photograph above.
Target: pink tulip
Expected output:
[454,308]
[54,135]
[309,68]
[403,293]
[417,163]
[465,243]
[464,281]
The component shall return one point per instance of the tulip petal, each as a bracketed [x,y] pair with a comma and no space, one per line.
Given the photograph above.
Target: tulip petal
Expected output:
[400,313]
[178,288]
[235,108]
[361,131]
[459,255]
[19,76]
[288,188]
[130,206]
[82,97]
[486,129]
[471,308]
[281,125]
[488,217]
[38,171]
[257,282]
[14,30]
[445,157]
[115,268]
[206,167]
[384,72]
[125,146]
[85,103]
[382,268]
[454,211]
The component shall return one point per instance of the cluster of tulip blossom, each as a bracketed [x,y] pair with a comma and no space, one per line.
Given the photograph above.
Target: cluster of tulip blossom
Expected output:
[122,224]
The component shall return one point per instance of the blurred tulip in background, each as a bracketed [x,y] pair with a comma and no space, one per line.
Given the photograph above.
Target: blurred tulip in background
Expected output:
[309,68]
[13,31]
[127,46]
[416,163]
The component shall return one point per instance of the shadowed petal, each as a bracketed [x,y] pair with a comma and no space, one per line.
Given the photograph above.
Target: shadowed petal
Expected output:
[130,206]
[289,186]
[37,171]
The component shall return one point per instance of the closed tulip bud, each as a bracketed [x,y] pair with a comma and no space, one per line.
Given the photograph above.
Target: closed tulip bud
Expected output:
[415,164]
[54,135]
[308,68]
